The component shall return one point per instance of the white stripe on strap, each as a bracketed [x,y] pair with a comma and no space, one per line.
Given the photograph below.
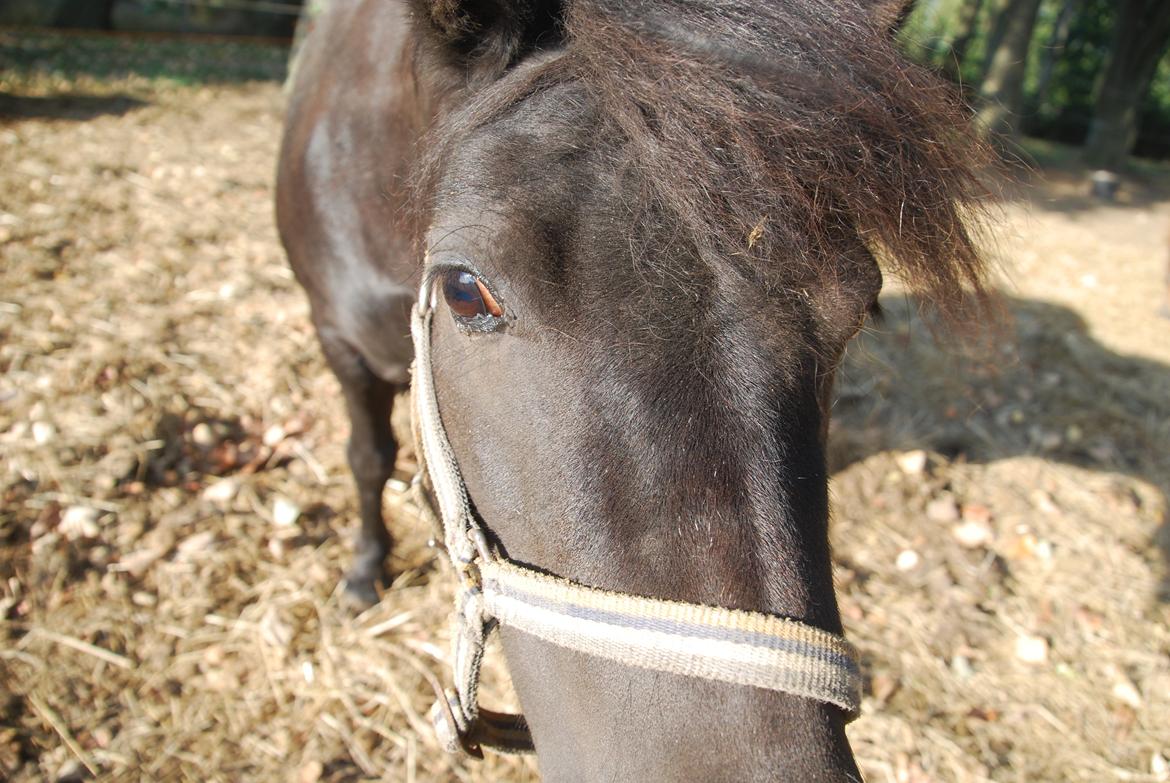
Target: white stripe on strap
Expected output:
[745,648]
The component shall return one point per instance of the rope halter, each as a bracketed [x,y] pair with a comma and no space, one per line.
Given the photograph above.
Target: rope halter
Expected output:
[712,643]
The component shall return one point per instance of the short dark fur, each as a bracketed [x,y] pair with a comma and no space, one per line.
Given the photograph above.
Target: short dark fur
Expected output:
[678,205]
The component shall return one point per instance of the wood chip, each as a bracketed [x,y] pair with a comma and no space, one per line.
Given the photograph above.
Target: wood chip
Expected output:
[195,544]
[1032,649]
[1159,767]
[942,509]
[310,772]
[883,687]
[202,435]
[1127,693]
[273,435]
[43,432]
[285,512]
[221,492]
[912,463]
[275,631]
[137,562]
[79,522]
[1044,502]
[972,535]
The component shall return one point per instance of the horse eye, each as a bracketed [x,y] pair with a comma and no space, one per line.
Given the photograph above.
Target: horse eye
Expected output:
[468,297]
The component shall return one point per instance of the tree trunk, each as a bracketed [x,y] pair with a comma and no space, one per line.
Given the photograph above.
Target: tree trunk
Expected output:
[1140,38]
[1002,90]
[968,14]
[995,20]
[1055,48]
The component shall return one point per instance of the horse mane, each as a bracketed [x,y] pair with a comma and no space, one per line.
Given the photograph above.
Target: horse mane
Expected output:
[782,133]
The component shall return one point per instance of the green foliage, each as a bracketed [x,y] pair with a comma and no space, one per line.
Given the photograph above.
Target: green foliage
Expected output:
[927,33]
[930,32]
[1065,109]
[30,56]
[1061,108]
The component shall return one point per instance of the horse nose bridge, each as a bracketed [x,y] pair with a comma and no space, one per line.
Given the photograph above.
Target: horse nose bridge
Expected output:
[710,488]
[707,539]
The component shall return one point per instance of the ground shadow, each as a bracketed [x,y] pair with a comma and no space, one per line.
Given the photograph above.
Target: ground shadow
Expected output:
[68,106]
[1044,387]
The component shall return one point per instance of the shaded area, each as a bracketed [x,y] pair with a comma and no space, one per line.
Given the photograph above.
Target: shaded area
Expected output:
[999,532]
[68,106]
[223,17]
[28,54]
[216,17]
[1045,387]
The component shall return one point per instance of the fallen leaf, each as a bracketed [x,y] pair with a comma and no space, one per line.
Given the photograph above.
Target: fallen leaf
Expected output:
[976,512]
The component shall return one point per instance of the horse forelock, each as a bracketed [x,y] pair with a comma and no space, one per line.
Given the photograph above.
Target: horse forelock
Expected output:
[784,136]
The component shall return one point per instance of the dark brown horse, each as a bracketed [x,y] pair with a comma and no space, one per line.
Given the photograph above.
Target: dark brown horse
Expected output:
[653,228]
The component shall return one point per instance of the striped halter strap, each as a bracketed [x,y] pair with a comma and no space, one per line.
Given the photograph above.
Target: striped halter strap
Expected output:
[712,643]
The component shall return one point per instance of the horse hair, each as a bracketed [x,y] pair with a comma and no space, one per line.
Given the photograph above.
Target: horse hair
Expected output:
[783,133]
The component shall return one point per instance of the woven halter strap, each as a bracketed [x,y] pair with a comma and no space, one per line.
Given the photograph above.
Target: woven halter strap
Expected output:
[712,643]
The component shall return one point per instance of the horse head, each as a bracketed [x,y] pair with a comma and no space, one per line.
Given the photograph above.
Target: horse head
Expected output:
[649,231]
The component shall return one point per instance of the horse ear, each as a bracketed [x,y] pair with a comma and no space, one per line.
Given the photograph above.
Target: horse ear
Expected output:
[489,33]
[888,15]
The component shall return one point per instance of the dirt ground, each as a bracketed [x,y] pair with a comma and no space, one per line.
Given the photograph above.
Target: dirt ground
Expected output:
[175,509]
